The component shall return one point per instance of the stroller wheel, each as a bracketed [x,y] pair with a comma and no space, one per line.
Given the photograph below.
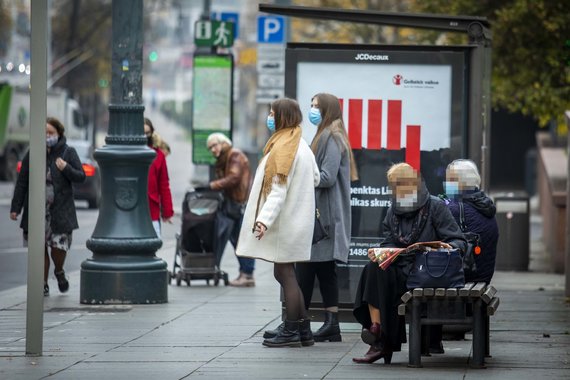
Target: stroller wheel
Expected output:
[178,279]
[226,279]
[216,279]
[188,280]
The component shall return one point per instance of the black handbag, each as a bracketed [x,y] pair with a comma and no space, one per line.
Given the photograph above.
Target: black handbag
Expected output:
[469,265]
[319,232]
[441,268]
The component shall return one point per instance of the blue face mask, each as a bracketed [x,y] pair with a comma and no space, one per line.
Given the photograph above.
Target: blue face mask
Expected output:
[271,123]
[315,116]
[451,188]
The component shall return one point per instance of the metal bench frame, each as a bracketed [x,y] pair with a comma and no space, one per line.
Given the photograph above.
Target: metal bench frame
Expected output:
[440,306]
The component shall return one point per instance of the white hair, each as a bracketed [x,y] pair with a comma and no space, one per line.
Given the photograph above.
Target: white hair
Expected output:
[219,138]
[467,172]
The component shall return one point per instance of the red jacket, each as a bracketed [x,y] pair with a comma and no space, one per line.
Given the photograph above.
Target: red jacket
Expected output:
[159,196]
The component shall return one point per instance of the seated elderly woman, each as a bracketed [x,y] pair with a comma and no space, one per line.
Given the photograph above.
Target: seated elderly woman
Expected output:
[414,216]
[462,185]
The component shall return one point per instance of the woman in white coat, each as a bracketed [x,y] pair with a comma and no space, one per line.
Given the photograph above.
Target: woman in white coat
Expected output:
[279,218]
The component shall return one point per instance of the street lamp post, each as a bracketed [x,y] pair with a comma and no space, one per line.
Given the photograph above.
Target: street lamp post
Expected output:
[124,267]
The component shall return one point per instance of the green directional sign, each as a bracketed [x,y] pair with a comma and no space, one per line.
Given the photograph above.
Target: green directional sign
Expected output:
[214,33]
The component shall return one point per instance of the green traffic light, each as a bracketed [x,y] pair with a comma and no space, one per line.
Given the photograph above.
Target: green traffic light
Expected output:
[153,56]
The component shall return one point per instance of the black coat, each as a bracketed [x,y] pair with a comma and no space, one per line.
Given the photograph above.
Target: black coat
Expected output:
[383,288]
[62,210]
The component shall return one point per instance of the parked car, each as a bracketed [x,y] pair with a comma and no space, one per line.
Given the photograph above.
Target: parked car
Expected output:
[90,190]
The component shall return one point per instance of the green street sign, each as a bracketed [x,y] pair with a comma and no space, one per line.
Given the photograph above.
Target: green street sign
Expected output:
[214,33]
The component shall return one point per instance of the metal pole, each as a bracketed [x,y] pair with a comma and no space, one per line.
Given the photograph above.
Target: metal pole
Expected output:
[479,124]
[567,245]
[37,184]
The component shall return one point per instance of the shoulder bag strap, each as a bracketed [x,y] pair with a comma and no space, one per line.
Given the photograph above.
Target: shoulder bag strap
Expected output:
[462,224]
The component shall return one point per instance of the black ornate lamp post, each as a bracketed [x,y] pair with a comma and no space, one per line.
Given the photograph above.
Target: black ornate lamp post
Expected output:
[124,267]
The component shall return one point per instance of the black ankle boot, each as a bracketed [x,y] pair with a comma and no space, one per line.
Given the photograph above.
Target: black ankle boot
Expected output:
[330,330]
[273,333]
[306,333]
[288,337]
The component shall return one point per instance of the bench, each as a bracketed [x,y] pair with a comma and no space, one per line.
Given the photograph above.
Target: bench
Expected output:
[470,306]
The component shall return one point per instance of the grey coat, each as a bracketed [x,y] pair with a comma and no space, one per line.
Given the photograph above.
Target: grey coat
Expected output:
[333,199]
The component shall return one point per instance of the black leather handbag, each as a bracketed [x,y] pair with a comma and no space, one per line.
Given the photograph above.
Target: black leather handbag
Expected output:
[441,268]
[319,232]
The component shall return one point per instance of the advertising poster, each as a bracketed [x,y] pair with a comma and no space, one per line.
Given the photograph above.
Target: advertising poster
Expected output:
[211,102]
[400,104]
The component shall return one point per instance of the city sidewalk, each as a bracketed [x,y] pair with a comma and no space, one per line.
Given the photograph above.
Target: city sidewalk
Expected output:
[216,333]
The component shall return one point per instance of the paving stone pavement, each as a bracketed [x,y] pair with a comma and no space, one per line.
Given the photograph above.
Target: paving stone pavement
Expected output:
[210,332]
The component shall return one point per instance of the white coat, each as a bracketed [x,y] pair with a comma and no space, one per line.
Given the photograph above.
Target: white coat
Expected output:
[288,212]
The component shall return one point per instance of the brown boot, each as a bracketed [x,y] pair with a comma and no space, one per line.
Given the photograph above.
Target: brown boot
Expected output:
[243,281]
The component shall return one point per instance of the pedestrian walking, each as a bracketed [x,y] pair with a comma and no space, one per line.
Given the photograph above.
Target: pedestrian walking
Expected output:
[159,195]
[63,168]
[337,168]
[233,178]
[279,217]
[414,216]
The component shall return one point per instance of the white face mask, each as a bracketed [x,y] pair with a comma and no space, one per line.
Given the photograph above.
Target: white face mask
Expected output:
[408,200]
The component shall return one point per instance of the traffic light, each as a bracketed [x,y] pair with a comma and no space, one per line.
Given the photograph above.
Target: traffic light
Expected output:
[153,56]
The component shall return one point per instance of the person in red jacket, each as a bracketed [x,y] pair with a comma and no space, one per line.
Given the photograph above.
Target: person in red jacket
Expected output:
[159,196]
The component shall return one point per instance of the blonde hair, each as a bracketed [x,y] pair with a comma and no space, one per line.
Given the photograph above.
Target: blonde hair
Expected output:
[400,171]
[219,138]
[467,172]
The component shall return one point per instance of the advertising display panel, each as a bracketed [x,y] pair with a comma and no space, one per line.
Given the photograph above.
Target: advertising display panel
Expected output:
[212,105]
[400,103]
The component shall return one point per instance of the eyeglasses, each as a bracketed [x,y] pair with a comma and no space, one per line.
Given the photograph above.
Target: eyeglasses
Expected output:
[213,146]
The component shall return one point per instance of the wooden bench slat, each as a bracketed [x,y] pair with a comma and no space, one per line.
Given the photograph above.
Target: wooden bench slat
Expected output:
[451,292]
[489,294]
[493,306]
[440,292]
[429,292]
[464,292]
[418,292]
[407,296]
[402,309]
[477,290]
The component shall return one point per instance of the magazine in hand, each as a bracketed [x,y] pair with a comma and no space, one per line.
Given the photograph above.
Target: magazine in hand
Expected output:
[386,256]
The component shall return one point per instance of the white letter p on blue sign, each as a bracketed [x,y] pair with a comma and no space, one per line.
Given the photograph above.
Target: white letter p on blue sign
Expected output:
[271,29]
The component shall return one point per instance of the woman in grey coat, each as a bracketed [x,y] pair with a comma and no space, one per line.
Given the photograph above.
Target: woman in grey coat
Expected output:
[336,164]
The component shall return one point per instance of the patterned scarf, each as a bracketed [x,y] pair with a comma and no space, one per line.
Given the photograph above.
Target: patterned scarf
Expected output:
[420,214]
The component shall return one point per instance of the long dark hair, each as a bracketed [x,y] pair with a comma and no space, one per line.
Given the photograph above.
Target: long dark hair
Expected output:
[287,113]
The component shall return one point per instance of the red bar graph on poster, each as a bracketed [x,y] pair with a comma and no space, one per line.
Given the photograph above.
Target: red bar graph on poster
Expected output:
[374,130]
[374,124]
[394,124]
[413,145]
[355,123]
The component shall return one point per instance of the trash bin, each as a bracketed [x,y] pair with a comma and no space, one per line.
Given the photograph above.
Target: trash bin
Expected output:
[513,214]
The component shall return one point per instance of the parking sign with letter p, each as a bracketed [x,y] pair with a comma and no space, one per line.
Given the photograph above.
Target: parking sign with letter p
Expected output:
[271,29]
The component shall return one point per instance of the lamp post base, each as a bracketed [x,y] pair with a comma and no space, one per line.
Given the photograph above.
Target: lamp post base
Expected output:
[115,282]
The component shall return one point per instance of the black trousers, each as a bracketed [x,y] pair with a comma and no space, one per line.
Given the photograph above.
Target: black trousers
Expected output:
[325,271]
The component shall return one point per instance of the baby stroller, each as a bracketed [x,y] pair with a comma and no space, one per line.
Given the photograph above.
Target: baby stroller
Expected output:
[200,245]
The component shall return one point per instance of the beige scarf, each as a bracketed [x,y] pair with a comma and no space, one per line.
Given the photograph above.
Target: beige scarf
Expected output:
[283,146]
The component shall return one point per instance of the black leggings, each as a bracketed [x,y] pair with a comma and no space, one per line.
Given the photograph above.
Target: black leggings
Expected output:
[325,271]
[294,304]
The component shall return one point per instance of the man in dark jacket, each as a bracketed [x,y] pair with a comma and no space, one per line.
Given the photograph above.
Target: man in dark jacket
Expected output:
[233,177]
